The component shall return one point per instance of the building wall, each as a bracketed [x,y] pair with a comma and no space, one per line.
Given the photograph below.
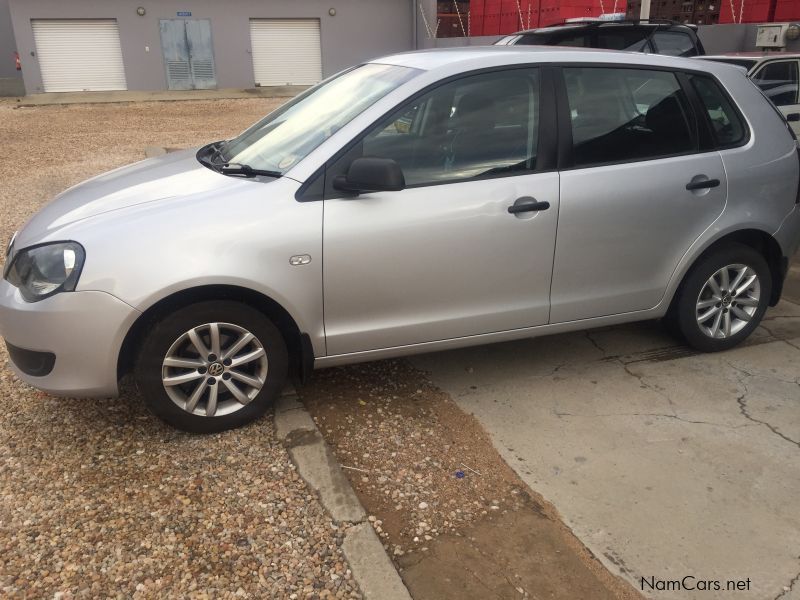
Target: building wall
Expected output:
[699,12]
[7,44]
[760,11]
[10,78]
[361,29]
[499,17]
[717,39]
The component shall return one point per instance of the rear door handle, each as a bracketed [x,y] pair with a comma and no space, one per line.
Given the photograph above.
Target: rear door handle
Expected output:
[527,204]
[702,185]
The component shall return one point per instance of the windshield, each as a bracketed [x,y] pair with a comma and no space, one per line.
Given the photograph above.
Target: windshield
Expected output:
[289,134]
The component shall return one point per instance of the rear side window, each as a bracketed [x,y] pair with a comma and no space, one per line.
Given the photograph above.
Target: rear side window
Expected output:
[727,125]
[674,43]
[622,115]
[778,80]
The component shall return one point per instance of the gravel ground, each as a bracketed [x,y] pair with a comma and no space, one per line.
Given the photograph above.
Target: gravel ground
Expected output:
[98,498]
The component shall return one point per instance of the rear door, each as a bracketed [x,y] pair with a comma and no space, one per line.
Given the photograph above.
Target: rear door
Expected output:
[778,79]
[626,215]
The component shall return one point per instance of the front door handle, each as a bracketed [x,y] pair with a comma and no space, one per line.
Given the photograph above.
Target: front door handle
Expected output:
[527,204]
[702,185]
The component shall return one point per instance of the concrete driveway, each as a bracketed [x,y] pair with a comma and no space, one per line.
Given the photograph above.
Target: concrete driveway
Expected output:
[665,463]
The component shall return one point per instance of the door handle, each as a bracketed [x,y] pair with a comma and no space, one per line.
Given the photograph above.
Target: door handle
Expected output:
[702,185]
[527,204]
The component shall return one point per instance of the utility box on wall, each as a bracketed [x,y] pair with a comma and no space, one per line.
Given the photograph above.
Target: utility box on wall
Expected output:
[771,36]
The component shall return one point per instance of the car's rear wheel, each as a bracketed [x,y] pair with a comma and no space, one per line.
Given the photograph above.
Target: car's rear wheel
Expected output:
[211,366]
[724,298]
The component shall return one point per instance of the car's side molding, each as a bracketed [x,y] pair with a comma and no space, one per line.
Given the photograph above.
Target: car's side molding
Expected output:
[488,338]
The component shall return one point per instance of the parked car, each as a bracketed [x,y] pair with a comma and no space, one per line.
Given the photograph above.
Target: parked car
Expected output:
[418,202]
[651,36]
[777,76]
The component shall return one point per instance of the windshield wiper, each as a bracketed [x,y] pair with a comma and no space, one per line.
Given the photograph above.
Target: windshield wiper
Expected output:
[246,170]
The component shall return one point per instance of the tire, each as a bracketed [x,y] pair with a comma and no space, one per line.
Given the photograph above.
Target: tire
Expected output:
[700,312]
[178,383]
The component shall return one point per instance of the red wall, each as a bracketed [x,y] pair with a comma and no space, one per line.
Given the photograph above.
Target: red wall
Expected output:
[760,11]
[787,10]
[498,17]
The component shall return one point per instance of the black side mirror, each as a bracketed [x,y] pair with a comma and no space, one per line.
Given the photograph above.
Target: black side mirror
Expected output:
[371,174]
[793,117]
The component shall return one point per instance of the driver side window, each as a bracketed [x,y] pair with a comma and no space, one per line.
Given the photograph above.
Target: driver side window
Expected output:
[479,126]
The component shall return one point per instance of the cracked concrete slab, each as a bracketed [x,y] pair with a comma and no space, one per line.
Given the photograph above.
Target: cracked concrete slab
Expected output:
[664,462]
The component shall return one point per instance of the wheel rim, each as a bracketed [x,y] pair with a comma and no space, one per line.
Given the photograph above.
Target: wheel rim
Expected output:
[214,369]
[728,301]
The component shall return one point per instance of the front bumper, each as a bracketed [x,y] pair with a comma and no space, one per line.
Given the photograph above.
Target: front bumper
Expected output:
[84,330]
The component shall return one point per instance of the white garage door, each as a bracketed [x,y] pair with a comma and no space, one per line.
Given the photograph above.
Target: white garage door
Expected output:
[286,51]
[78,55]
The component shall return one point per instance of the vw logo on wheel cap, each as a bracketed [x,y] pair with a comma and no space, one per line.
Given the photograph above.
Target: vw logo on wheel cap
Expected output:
[215,369]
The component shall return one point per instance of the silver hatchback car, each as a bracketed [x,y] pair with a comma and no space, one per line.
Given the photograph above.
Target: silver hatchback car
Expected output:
[418,202]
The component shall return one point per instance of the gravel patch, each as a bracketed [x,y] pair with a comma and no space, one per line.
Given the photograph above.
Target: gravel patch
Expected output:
[97,497]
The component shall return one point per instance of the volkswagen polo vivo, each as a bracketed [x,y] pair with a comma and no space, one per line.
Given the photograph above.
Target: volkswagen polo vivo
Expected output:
[417,202]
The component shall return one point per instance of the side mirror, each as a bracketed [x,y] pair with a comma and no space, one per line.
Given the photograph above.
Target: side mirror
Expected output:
[793,117]
[370,174]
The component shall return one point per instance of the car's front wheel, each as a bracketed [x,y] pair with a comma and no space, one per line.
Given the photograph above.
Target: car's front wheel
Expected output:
[724,298]
[211,366]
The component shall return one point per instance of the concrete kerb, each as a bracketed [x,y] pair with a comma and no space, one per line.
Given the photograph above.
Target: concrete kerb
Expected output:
[60,98]
[316,464]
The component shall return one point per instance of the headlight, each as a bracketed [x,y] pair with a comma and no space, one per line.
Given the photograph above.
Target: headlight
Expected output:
[41,271]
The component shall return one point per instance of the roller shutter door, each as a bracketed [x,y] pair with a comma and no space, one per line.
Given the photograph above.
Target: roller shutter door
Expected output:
[286,51]
[77,55]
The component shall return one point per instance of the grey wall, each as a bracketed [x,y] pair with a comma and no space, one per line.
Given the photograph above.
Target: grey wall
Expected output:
[10,78]
[7,44]
[718,39]
[454,42]
[361,29]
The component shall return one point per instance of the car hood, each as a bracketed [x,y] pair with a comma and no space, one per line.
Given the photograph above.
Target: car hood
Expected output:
[175,175]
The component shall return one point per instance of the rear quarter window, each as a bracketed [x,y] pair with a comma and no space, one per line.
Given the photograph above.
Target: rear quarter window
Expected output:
[726,123]
[674,43]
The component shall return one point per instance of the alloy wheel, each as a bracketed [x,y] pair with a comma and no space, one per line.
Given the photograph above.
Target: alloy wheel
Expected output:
[728,301]
[214,369]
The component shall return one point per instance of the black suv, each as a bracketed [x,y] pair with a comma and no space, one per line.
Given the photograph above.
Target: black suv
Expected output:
[653,36]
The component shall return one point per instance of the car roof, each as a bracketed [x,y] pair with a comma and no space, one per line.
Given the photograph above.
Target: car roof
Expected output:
[476,57]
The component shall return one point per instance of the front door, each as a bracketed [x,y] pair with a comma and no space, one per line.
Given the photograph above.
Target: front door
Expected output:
[779,80]
[445,258]
[188,54]
[637,195]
